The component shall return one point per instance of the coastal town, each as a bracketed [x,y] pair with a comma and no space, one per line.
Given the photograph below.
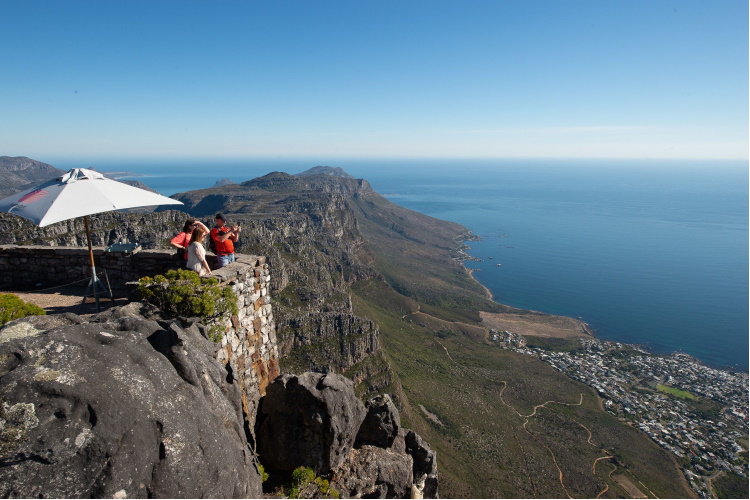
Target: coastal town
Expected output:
[698,413]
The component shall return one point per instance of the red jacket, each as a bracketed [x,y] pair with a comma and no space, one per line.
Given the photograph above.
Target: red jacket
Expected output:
[182,239]
[225,247]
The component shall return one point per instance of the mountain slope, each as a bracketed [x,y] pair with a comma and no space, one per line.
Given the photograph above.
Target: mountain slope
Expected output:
[18,173]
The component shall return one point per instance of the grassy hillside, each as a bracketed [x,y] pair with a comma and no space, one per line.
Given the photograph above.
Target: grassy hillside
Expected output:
[504,424]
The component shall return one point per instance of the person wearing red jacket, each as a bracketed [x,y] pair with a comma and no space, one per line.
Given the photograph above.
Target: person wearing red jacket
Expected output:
[224,238]
[182,240]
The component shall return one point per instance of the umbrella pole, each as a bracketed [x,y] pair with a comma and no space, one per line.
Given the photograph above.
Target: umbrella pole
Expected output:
[94,282]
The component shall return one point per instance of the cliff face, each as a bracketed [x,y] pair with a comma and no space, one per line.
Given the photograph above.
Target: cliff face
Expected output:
[131,404]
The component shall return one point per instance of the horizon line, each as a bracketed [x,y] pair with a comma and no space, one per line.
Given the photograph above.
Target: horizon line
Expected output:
[278,157]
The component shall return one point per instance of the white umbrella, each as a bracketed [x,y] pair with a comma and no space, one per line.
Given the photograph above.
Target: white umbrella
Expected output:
[79,193]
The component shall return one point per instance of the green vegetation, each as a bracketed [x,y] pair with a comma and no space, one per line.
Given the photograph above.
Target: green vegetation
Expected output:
[12,307]
[302,477]
[263,474]
[183,293]
[470,403]
[730,486]
[674,392]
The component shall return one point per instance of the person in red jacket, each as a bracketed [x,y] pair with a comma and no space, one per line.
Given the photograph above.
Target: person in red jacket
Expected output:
[224,239]
[182,240]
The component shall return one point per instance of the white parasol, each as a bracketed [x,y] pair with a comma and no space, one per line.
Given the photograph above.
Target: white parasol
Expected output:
[79,193]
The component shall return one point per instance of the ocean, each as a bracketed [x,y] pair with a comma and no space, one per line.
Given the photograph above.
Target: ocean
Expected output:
[646,252]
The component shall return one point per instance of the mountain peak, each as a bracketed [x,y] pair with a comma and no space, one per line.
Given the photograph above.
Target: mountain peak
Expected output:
[322,170]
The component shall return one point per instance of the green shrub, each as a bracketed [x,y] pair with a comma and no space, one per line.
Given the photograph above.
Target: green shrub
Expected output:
[302,476]
[263,474]
[183,293]
[12,307]
[324,486]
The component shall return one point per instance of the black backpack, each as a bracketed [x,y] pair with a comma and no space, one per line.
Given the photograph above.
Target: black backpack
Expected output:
[211,242]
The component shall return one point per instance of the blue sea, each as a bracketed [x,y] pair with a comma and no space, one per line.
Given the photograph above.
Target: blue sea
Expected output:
[646,252]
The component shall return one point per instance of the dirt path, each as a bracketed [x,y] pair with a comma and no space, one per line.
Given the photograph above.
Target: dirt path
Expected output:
[628,485]
[446,351]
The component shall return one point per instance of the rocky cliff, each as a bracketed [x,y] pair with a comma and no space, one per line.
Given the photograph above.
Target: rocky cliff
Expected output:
[131,403]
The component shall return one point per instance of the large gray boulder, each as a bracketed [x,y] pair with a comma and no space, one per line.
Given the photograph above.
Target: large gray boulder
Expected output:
[381,424]
[308,420]
[374,472]
[123,407]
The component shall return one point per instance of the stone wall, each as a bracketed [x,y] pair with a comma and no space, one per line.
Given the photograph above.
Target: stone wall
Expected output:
[249,345]
[27,266]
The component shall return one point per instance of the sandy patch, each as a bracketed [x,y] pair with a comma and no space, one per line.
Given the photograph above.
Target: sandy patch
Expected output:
[628,486]
[535,323]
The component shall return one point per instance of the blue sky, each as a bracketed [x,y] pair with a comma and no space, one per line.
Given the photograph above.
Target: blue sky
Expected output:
[374,78]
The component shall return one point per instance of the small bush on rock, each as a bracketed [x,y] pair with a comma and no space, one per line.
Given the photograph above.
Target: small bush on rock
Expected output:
[303,476]
[12,307]
[183,293]
[263,474]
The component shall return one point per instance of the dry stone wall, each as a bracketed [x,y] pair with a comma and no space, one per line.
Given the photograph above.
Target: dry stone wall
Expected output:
[28,266]
[249,343]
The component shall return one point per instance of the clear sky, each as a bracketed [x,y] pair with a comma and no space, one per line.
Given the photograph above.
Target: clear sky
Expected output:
[391,78]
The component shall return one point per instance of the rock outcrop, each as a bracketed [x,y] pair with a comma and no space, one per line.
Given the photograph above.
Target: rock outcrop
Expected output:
[382,422]
[315,420]
[119,405]
[308,420]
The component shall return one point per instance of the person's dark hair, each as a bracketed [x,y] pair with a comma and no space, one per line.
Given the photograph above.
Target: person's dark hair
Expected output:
[188,226]
[220,216]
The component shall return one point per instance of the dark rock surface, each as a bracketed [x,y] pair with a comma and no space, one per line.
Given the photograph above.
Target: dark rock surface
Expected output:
[381,424]
[308,420]
[373,472]
[425,465]
[311,420]
[118,405]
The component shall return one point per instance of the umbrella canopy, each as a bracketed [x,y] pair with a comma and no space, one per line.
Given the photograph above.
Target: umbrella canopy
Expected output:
[78,193]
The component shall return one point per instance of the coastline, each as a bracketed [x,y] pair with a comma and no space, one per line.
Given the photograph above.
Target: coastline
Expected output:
[527,321]
[486,290]
[585,330]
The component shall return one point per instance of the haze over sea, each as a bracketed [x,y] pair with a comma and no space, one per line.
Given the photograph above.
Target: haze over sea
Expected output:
[646,252]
